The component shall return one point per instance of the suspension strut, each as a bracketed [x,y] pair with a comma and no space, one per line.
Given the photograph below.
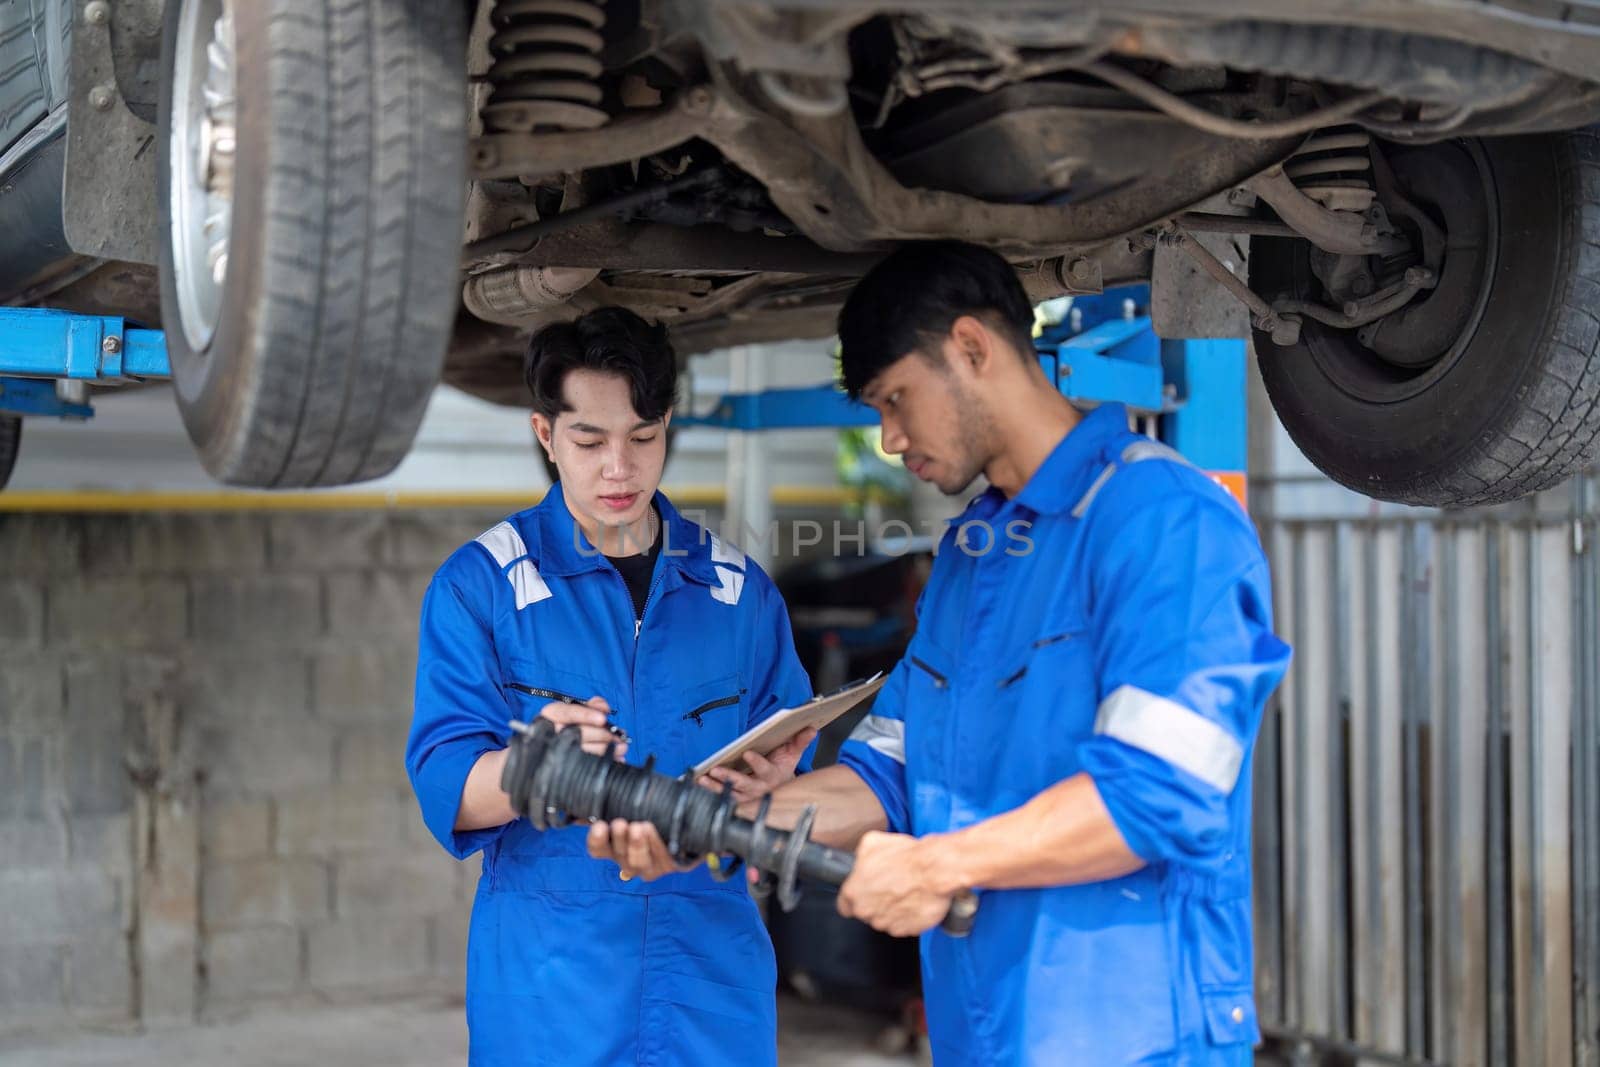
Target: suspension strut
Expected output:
[546,66]
[554,783]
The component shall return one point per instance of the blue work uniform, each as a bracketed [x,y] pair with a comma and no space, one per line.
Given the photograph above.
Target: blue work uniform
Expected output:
[567,964]
[1113,618]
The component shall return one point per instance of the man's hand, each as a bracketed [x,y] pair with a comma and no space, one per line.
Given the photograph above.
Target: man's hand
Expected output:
[766,772]
[894,886]
[635,847]
[590,718]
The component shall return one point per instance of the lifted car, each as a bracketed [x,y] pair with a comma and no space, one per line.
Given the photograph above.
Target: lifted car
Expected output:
[330,204]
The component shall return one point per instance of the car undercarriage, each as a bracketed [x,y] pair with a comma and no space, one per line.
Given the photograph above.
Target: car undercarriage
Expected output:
[728,169]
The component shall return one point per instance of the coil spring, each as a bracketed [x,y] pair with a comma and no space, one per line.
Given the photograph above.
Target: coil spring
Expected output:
[1334,168]
[546,69]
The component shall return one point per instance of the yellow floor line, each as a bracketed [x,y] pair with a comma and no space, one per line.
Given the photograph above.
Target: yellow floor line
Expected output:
[51,500]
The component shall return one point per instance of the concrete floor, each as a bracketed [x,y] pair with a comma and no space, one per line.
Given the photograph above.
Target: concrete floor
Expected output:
[410,1034]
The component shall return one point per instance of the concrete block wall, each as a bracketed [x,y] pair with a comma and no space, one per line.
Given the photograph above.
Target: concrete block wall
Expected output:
[203,805]
[203,800]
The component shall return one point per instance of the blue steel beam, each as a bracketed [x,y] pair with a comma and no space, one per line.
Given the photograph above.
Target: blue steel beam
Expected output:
[811,407]
[1117,360]
[45,343]
[1209,426]
[1114,360]
[30,396]
[1197,386]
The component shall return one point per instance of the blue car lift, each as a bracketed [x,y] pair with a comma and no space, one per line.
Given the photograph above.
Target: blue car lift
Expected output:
[40,347]
[812,407]
[1105,351]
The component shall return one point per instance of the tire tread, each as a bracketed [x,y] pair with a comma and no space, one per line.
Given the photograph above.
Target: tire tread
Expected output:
[359,248]
[1553,430]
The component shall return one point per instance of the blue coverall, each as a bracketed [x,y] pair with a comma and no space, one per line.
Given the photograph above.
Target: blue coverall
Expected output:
[1113,618]
[567,964]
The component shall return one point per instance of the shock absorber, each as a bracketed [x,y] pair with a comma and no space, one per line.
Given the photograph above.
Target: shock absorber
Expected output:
[553,782]
[546,66]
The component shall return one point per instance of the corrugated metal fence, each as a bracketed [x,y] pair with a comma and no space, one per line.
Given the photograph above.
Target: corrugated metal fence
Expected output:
[1428,792]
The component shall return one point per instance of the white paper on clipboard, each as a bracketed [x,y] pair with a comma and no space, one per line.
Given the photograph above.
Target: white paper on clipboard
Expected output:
[774,731]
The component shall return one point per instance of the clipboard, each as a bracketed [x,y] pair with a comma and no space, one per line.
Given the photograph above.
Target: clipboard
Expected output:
[774,731]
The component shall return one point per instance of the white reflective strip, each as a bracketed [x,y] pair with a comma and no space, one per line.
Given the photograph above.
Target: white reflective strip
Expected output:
[732,586]
[1173,733]
[882,734]
[721,552]
[1143,450]
[1094,490]
[530,588]
[1136,452]
[504,544]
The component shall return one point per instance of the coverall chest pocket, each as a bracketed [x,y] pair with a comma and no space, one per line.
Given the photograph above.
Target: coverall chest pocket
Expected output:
[1043,700]
[709,715]
[1051,675]
[529,686]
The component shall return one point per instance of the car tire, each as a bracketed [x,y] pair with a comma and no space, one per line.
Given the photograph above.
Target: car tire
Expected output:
[309,356]
[10,444]
[1511,404]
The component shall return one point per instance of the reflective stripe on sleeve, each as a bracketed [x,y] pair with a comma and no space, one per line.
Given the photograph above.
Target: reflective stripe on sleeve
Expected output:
[883,734]
[1172,733]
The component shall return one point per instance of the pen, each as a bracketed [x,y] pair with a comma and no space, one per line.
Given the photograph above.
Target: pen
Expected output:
[550,694]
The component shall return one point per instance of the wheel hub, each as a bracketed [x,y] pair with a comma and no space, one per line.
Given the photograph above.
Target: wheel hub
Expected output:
[1441,197]
[1420,335]
[203,141]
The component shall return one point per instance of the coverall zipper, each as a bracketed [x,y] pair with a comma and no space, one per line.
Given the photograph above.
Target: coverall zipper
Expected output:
[939,680]
[551,694]
[712,705]
[548,694]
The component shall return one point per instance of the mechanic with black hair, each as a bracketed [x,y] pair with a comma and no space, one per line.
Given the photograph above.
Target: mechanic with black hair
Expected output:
[605,609]
[1070,731]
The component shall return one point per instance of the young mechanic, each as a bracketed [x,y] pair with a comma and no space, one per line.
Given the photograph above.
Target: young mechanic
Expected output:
[604,608]
[1070,731]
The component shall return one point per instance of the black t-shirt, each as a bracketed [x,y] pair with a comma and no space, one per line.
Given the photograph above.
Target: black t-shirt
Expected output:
[637,571]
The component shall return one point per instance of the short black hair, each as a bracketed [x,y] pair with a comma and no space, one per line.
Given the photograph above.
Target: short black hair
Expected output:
[915,294]
[611,340]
